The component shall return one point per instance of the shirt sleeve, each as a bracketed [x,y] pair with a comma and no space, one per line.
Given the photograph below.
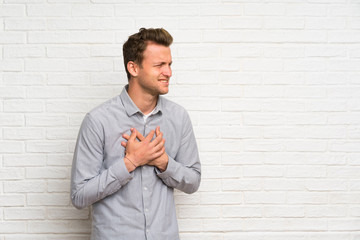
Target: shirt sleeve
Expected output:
[89,182]
[184,171]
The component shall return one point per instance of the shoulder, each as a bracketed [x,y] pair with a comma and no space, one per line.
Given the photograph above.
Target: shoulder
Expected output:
[174,111]
[105,110]
[171,107]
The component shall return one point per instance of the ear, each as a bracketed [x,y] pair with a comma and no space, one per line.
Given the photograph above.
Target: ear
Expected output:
[133,68]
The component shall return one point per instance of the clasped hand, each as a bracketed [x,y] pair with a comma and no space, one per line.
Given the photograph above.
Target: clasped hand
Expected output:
[142,150]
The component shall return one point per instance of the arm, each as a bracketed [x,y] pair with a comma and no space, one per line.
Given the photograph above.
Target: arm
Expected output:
[184,172]
[88,183]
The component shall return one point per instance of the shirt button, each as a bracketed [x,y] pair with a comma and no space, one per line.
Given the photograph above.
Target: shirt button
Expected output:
[147,230]
[145,188]
[146,210]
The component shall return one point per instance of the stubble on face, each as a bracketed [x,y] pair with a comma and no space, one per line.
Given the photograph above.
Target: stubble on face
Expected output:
[155,70]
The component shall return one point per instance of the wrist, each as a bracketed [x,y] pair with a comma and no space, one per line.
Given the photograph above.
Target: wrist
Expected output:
[131,159]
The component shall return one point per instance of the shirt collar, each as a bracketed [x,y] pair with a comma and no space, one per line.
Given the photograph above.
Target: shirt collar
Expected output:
[130,106]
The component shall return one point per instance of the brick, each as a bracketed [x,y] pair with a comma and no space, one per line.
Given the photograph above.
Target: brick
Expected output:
[24,213]
[47,92]
[325,23]
[53,199]
[24,186]
[284,23]
[22,52]
[68,24]
[190,225]
[68,52]
[343,172]
[325,211]
[61,134]
[241,211]
[241,22]
[284,211]
[240,105]
[263,145]
[202,78]
[228,225]
[12,10]
[69,226]
[284,52]
[58,186]
[209,185]
[45,65]
[311,10]
[283,132]
[99,65]
[113,23]
[11,173]
[306,171]
[209,211]
[87,10]
[11,119]
[221,198]
[327,106]
[67,213]
[48,10]
[23,106]
[12,37]
[220,10]
[68,79]
[241,185]
[68,106]
[23,79]
[257,119]
[12,200]
[285,224]
[307,198]
[264,91]
[196,22]
[12,92]
[11,65]
[25,24]
[221,172]
[48,120]
[11,147]
[46,147]
[57,159]
[271,9]
[240,132]
[23,160]
[306,146]
[263,171]
[23,133]
[11,227]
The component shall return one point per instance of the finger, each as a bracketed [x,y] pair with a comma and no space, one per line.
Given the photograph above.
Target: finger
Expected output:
[157,131]
[123,144]
[150,136]
[157,140]
[126,136]
[133,135]
[140,136]
[159,146]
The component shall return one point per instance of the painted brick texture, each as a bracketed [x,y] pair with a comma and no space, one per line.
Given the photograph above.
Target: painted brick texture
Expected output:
[272,88]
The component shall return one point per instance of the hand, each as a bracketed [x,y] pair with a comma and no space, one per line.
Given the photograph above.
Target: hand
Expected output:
[162,161]
[143,151]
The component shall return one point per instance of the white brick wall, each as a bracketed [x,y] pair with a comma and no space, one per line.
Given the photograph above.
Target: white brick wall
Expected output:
[272,87]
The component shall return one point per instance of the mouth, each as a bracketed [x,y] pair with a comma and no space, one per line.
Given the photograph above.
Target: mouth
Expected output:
[164,80]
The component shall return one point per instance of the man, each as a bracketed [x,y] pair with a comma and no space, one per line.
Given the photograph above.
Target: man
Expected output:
[122,165]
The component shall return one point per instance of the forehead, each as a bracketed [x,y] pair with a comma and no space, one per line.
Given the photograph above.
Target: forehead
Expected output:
[157,52]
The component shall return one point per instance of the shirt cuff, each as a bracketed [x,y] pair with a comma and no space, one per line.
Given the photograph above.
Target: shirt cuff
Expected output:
[171,170]
[121,173]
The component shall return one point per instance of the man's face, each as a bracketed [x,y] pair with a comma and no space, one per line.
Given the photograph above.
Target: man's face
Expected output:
[155,72]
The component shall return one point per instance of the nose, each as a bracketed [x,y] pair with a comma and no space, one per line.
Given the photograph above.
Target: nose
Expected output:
[167,72]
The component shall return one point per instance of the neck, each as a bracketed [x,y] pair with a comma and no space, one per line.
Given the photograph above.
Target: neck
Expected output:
[143,100]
